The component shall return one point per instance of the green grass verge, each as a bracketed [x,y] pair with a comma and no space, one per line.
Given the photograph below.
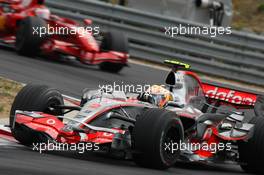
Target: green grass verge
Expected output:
[8,91]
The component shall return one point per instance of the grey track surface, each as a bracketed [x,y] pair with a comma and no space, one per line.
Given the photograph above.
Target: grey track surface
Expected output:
[71,78]
[24,161]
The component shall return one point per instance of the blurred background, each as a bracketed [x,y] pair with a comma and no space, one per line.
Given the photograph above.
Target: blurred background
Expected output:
[247,15]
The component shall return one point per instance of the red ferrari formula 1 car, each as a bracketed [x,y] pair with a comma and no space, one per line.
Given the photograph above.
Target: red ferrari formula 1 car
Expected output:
[195,124]
[32,29]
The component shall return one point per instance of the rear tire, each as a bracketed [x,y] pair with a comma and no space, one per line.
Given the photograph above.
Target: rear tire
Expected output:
[153,129]
[114,41]
[27,41]
[252,152]
[259,106]
[33,98]
[111,67]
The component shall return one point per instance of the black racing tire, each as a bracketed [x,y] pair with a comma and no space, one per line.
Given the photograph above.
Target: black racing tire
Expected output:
[259,106]
[114,41]
[33,98]
[251,153]
[28,42]
[111,67]
[153,129]
[27,136]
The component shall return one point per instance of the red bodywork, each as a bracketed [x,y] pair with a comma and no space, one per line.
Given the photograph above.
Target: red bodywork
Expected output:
[83,47]
[236,98]
[52,126]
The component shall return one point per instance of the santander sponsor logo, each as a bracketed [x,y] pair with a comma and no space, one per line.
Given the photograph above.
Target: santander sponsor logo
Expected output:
[230,96]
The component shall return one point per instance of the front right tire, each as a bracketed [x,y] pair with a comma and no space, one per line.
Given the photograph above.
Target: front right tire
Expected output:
[154,130]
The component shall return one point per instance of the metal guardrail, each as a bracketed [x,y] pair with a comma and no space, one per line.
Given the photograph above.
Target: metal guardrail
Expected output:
[239,56]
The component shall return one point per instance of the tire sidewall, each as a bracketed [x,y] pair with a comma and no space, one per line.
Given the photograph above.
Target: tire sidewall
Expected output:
[148,138]
[170,123]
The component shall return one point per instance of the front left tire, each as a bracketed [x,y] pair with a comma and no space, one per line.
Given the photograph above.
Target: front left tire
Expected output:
[38,98]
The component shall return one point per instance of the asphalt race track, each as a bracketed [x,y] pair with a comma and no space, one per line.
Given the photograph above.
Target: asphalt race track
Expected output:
[71,78]
[15,159]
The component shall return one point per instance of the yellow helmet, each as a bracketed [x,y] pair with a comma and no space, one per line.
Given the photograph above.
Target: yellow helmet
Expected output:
[160,95]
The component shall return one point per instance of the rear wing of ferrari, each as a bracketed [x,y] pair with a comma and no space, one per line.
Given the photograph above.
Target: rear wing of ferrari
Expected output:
[232,96]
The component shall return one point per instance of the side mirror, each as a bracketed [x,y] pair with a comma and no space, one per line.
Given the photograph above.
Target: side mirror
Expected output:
[112,115]
[88,22]
[116,115]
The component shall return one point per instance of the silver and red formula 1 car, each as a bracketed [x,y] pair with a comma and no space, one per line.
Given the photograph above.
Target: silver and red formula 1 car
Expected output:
[29,27]
[199,124]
